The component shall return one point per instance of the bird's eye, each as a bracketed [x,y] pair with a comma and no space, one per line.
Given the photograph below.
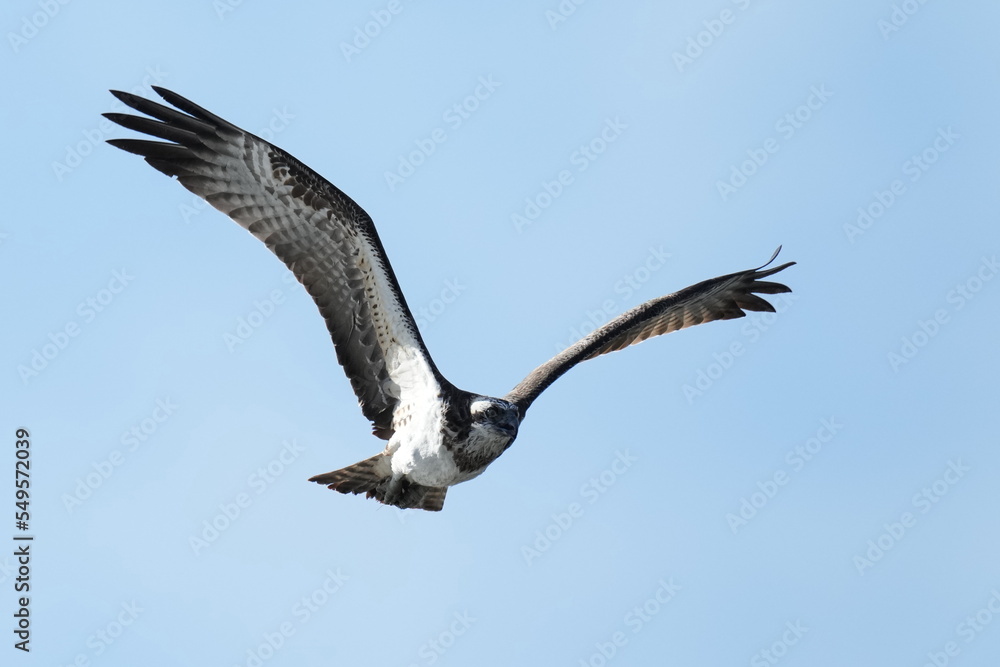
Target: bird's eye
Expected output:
[492,412]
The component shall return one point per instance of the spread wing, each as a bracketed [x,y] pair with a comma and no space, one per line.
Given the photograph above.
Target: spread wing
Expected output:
[326,239]
[723,298]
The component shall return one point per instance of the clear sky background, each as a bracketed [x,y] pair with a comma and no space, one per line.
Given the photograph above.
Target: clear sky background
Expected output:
[817,487]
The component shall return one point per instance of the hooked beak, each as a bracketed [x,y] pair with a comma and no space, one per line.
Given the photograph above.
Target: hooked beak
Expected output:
[509,428]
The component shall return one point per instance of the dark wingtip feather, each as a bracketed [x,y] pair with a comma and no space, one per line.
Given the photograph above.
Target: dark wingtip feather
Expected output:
[190,107]
[770,272]
[765,287]
[155,128]
[155,149]
[753,302]
[129,145]
[122,95]
[774,256]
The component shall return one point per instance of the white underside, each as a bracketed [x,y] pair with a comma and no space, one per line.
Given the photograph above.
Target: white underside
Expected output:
[418,453]
[426,463]
[424,460]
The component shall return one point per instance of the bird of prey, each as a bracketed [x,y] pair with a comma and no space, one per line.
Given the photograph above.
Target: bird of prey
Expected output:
[438,435]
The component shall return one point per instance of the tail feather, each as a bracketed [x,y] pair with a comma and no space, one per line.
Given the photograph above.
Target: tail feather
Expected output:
[432,498]
[373,477]
[363,476]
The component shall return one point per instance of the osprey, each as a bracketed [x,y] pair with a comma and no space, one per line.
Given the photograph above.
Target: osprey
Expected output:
[438,435]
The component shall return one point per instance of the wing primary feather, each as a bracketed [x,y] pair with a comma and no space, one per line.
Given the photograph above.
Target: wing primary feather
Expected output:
[764,287]
[155,149]
[155,128]
[166,114]
[190,107]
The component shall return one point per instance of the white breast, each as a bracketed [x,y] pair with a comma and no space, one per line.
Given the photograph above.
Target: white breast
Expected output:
[418,451]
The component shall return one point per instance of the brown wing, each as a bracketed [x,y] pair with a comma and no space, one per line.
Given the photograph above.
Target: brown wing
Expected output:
[326,239]
[722,298]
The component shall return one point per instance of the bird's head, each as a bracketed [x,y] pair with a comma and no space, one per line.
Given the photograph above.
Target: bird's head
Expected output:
[495,415]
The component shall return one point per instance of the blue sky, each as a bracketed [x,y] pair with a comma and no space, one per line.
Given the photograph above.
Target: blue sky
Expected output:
[815,487]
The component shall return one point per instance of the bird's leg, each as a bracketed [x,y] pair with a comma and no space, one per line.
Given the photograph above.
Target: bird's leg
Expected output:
[396,490]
